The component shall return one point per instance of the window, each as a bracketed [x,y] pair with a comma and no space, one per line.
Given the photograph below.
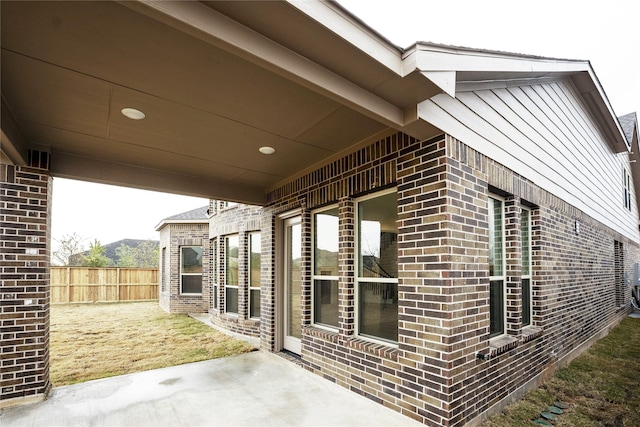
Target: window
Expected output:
[496,268]
[255,252]
[191,269]
[228,204]
[626,182]
[231,274]
[525,239]
[377,279]
[214,271]
[325,268]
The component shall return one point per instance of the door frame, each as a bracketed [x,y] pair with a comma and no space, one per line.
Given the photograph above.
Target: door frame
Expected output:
[281,304]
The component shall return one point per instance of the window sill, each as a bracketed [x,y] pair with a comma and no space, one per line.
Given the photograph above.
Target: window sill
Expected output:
[385,351]
[324,334]
[529,333]
[501,344]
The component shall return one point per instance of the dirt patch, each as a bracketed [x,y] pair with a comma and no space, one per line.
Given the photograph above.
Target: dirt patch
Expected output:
[91,341]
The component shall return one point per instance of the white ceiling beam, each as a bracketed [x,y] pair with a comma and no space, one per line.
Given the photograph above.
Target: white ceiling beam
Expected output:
[338,21]
[71,166]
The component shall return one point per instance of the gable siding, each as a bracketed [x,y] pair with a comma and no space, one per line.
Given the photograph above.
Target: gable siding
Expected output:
[545,133]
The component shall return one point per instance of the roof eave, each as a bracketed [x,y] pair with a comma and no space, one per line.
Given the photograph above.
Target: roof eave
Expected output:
[454,68]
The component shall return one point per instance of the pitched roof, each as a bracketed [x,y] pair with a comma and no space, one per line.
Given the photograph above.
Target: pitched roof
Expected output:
[629,124]
[194,214]
[198,215]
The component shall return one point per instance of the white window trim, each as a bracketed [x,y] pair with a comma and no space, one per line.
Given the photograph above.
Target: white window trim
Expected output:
[504,270]
[315,277]
[226,284]
[356,265]
[626,184]
[249,269]
[191,274]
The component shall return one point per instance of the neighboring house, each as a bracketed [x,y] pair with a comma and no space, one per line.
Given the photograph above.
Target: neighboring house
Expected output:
[222,233]
[440,228]
[184,253]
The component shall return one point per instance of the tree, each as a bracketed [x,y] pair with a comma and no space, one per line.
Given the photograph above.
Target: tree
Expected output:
[68,245]
[126,256]
[148,254]
[96,256]
[145,255]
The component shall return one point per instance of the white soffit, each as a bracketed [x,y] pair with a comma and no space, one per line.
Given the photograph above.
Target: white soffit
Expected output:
[445,80]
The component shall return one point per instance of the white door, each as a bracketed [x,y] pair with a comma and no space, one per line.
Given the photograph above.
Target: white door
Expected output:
[292,285]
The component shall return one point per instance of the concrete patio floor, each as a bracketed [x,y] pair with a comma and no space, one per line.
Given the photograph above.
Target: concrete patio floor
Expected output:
[253,389]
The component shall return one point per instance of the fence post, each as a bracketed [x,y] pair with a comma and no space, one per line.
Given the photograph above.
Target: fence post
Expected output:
[118,284]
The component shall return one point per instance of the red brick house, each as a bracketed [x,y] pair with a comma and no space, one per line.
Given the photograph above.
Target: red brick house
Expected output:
[440,228]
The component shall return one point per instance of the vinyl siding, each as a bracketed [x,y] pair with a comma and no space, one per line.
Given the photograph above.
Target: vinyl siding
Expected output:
[545,133]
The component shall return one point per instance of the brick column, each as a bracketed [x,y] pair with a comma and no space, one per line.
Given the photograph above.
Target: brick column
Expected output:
[346,263]
[25,195]
[443,279]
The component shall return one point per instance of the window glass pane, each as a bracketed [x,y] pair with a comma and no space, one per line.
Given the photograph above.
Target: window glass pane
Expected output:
[294,280]
[191,258]
[378,310]
[526,302]
[254,303]
[215,296]
[378,237]
[496,308]
[325,302]
[231,258]
[495,237]
[231,300]
[254,262]
[191,284]
[326,243]
[524,236]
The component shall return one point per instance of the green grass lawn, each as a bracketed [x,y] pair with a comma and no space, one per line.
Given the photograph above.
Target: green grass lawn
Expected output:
[91,341]
[602,386]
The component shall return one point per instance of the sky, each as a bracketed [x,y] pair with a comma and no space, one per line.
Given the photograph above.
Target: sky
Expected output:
[605,33]
[109,213]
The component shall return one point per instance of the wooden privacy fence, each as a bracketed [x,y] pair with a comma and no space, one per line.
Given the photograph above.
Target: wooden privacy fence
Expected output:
[92,284]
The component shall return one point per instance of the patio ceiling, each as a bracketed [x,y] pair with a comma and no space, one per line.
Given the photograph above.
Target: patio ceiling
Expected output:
[216,81]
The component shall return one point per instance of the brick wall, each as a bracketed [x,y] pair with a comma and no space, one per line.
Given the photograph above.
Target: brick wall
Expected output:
[434,373]
[173,237]
[238,220]
[25,193]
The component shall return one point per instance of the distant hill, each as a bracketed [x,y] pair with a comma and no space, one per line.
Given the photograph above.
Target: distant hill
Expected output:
[110,250]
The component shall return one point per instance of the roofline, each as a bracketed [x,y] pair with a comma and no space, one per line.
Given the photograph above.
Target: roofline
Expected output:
[443,65]
[440,64]
[163,223]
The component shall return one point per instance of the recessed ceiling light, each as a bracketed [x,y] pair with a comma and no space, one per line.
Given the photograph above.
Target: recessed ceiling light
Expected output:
[267,150]
[133,114]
